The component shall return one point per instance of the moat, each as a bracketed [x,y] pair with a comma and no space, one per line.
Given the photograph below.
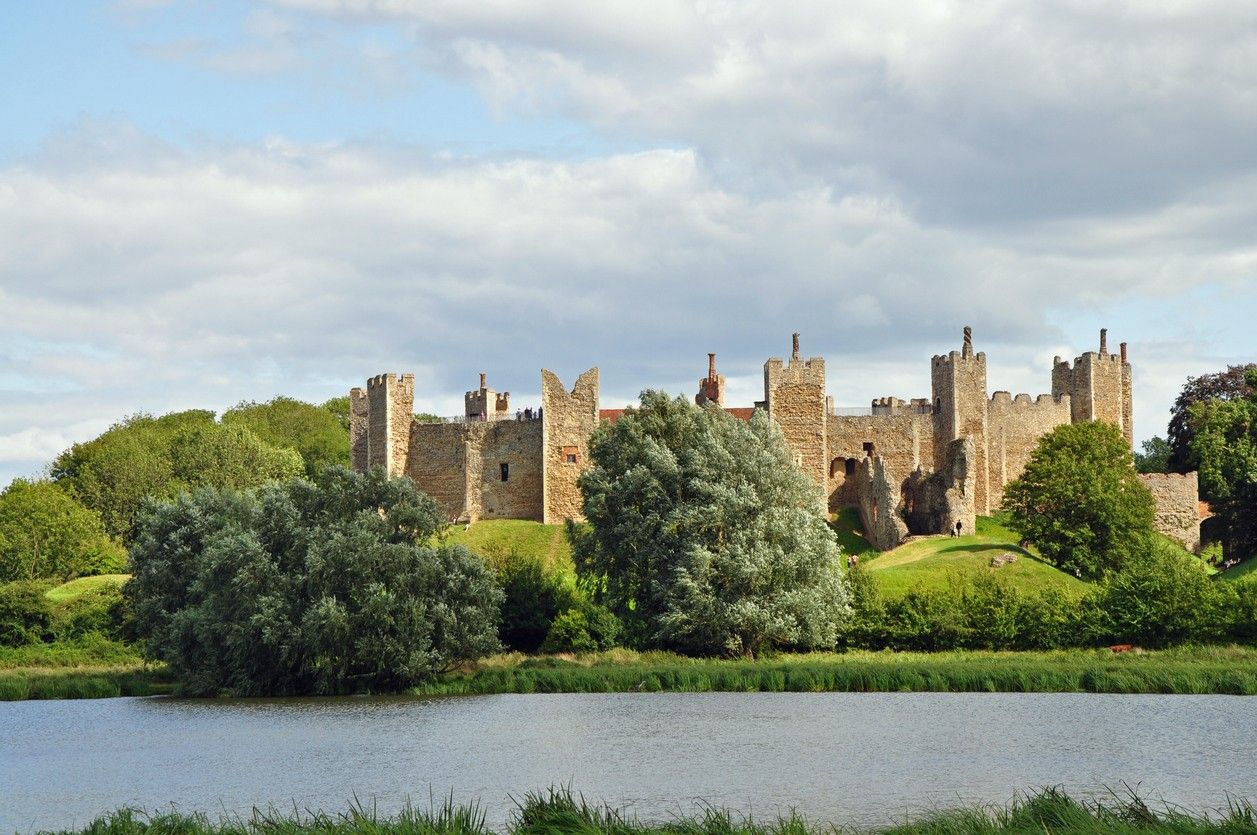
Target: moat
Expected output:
[859,759]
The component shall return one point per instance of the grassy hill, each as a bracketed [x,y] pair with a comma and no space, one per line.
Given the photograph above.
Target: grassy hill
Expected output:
[937,561]
[495,539]
[66,592]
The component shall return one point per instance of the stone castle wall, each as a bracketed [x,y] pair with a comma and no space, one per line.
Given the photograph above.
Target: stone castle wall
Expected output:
[1177,500]
[1014,427]
[794,394]
[390,403]
[958,382]
[568,421]
[904,441]
[460,466]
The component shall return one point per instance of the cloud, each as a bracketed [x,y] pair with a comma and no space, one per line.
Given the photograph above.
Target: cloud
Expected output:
[179,277]
[979,115]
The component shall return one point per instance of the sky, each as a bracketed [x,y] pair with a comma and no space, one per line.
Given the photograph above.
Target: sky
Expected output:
[204,202]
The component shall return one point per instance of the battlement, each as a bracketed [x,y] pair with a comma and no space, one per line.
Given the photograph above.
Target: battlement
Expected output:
[486,404]
[388,414]
[1099,386]
[895,406]
[1006,401]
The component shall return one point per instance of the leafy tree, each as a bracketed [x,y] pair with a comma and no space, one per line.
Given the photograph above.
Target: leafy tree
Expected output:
[703,536]
[326,587]
[533,598]
[1225,445]
[44,532]
[1080,501]
[25,614]
[315,432]
[145,458]
[339,408]
[1155,457]
[1223,385]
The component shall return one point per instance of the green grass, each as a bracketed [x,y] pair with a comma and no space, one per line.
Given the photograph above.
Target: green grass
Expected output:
[494,539]
[90,668]
[850,532]
[84,585]
[939,561]
[1230,670]
[1247,568]
[560,810]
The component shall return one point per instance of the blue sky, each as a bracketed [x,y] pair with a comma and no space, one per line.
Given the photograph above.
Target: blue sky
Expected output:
[208,202]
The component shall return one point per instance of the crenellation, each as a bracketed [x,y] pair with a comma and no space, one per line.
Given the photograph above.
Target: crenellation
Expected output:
[951,454]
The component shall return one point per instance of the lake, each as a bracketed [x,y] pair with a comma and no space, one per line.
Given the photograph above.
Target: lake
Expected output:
[850,758]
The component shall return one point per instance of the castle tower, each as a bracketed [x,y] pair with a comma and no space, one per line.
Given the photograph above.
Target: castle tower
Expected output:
[568,419]
[485,404]
[794,395]
[390,403]
[711,389]
[1099,386]
[958,382]
[358,411]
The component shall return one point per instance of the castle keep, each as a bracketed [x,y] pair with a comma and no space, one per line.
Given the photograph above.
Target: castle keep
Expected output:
[918,466]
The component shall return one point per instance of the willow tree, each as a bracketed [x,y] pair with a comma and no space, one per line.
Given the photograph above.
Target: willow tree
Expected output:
[703,535]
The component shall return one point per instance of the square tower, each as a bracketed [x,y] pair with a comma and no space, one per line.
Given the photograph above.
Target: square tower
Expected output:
[390,406]
[794,396]
[1099,386]
[485,404]
[958,381]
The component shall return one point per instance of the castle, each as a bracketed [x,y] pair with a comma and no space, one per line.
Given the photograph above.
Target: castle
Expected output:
[921,466]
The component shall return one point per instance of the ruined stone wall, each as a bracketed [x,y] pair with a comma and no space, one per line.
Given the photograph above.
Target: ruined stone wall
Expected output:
[934,502]
[568,420]
[903,440]
[795,397]
[390,405]
[958,381]
[1178,506]
[878,500]
[359,407]
[1014,427]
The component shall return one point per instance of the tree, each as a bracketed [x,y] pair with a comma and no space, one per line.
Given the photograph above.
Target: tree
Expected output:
[315,432]
[1223,385]
[1225,446]
[44,532]
[339,409]
[703,536]
[1080,501]
[143,458]
[325,587]
[1155,457]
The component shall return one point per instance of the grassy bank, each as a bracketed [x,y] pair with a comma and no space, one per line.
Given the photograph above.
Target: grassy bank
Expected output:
[559,810]
[91,668]
[1230,670]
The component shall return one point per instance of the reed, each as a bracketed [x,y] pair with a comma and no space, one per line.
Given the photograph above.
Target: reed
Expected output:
[1203,670]
[560,810]
[61,683]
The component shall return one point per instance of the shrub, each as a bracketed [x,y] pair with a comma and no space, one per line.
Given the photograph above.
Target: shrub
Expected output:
[1163,597]
[532,599]
[45,532]
[569,633]
[326,587]
[25,614]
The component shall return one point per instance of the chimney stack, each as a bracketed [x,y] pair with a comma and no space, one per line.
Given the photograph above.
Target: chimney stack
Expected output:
[795,350]
[482,377]
[1104,341]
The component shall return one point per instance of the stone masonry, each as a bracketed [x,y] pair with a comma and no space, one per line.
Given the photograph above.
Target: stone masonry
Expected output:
[911,466]
[1177,498]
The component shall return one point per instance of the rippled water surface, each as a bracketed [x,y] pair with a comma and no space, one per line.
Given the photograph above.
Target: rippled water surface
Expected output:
[838,757]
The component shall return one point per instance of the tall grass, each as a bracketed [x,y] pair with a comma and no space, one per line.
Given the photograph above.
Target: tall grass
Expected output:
[561,811]
[1219,670]
[17,685]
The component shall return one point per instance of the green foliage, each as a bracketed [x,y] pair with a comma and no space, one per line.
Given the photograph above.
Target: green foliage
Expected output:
[532,599]
[1080,501]
[569,633]
[25,614]
[326,587]
[1230,384]
[145,458]
[316,433]
[1225,445]
[1155,457]
[338,407]
[45,532]
[1165,597]
[703,536]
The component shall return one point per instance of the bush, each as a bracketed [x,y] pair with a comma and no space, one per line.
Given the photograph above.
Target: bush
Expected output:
[25,614]
[569,633]
[45,532]
[326,587]
[1164,597]
[101,611]
[532,599]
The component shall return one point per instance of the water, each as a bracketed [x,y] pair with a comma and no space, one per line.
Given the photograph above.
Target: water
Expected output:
[862,759]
